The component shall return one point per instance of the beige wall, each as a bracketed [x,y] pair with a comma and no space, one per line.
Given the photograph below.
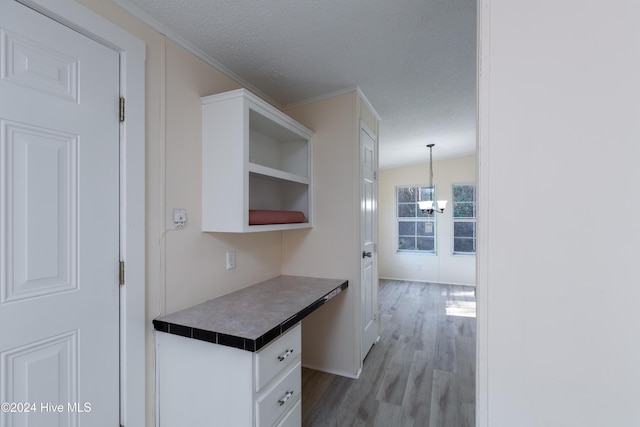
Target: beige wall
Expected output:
[195,261]
[183,267]
[443,267]
[325,249]
[331,248]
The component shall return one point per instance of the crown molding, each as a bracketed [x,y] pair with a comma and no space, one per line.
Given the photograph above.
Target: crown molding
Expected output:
[334,94]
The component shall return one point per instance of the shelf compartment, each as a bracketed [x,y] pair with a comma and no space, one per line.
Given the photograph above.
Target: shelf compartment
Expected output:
[274,146]
[267,193]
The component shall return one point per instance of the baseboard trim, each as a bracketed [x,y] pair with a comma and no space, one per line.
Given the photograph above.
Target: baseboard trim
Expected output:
[427,281]
[333,372]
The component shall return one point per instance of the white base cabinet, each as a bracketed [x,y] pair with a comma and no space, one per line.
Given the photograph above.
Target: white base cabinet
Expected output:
[205,384]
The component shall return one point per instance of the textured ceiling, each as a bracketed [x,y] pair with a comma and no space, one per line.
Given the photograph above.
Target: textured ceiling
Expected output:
[415,60]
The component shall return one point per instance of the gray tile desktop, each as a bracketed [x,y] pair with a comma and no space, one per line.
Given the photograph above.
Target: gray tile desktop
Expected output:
[252,317]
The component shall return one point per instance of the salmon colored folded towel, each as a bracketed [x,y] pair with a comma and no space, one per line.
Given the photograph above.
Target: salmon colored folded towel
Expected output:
[262,217]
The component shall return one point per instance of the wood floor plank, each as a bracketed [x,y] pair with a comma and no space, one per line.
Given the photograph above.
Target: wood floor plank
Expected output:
[388,415]
[396,373]
[419,386]
[443,403]
[421,373]
[465,372]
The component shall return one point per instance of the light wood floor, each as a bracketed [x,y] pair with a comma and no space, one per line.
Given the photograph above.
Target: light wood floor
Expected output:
[420,373]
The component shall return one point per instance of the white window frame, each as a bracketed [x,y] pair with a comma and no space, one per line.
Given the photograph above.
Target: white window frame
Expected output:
[456,220]
[418,219]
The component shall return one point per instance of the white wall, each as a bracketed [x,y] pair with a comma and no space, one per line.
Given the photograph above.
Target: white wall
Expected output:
[559,148]
[443,267]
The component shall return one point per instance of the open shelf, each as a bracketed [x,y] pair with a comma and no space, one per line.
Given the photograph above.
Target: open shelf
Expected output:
[253,157]
[277,174]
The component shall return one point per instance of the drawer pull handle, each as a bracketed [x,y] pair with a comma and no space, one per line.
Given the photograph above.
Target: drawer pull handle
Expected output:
[286,397]
[285,355]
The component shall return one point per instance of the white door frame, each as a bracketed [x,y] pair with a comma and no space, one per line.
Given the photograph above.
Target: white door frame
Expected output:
[482,150]
[132,194]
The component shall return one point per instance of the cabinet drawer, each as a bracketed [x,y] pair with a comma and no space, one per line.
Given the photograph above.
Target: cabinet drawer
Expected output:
[294,417]
[277,356]
[280,399]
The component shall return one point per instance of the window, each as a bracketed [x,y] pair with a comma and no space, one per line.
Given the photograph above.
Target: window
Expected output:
[464,218]
[416,230]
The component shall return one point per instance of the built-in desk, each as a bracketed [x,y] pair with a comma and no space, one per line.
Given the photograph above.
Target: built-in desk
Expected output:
[236,360]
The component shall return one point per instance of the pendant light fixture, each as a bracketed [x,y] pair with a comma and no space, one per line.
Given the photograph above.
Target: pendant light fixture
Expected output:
[429,206]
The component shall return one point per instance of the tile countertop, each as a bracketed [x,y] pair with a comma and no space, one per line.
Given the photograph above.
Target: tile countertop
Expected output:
[252,317]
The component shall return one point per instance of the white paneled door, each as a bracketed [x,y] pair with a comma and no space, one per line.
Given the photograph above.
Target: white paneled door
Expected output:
[59,223]
[369,276]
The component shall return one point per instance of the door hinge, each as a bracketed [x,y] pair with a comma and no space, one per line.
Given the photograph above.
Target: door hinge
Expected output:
[121,273]
[375,175]
[122,108]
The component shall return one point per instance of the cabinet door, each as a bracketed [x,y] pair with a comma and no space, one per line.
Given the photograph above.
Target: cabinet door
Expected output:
[201,383]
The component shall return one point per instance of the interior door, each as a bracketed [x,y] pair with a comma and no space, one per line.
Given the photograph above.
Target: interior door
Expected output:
[59,221]
[369,276]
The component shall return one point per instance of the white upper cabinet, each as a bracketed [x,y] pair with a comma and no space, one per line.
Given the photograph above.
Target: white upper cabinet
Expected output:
[254,157]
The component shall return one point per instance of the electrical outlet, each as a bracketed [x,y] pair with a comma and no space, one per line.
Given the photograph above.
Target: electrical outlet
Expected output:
[179,218]
[231,260]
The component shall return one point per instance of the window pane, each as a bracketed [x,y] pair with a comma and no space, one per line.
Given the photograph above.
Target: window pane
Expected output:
[426,228]
[406,194]
[425,243]
[464,193]
[406,228]
[421,214]
[407,243]
[407,210]
[426,193]
[464,229]
[463,245]
[464,210]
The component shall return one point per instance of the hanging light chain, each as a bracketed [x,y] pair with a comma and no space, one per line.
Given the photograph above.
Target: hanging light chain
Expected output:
[431,189]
